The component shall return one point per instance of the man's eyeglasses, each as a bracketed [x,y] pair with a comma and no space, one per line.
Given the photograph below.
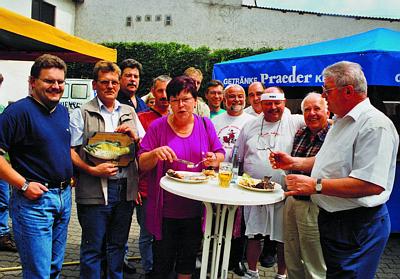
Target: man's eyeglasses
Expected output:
[184,101]
[327,90]
[52,82]
[214,93]
[107,82]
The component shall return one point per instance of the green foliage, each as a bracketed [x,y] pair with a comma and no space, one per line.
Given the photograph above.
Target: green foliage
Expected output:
[166,58]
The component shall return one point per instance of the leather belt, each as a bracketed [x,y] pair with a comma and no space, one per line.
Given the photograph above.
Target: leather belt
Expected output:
[55,185]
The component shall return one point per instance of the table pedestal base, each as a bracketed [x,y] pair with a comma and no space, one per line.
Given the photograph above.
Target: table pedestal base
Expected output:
[220,237]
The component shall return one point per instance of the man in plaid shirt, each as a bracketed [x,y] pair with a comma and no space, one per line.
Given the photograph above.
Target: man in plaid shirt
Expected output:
[303,254]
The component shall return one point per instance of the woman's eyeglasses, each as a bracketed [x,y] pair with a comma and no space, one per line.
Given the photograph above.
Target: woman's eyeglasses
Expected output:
[184,101]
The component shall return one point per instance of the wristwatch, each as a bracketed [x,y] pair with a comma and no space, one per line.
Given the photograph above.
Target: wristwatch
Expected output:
[25,186]
[318,187]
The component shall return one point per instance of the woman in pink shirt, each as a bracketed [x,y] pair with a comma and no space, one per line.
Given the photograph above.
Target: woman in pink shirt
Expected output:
[175,221]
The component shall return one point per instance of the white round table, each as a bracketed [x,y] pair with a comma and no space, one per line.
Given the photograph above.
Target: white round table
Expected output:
[223,199]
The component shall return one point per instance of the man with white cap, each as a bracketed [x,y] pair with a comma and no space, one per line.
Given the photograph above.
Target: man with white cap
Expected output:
[272,130]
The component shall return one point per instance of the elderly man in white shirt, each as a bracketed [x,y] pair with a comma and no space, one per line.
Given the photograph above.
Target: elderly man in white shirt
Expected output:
[352,176]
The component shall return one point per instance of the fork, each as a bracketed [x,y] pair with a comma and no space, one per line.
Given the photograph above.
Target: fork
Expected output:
[185,162]
[190,165]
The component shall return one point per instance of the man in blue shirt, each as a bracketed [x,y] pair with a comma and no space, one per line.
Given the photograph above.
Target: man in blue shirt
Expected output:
[129,82]
[35,133]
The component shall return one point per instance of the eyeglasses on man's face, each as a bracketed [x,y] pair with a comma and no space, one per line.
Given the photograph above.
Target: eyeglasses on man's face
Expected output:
[51,82]
[215,93]
[327,90]
[107,82]
[184,101]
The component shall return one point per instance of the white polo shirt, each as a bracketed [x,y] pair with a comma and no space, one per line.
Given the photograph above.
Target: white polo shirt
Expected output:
[363,145]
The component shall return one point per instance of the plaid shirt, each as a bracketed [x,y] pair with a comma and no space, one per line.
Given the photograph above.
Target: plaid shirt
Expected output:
[307,145]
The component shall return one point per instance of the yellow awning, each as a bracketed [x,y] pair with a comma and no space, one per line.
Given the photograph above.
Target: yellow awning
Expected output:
[22,38]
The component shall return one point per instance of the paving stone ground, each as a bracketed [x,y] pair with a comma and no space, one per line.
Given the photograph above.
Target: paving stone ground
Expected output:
[389,267]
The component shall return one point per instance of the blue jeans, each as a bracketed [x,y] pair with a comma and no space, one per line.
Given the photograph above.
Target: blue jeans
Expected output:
[40,231]
[145,238]
[353,241]
[4,200]
[105,230]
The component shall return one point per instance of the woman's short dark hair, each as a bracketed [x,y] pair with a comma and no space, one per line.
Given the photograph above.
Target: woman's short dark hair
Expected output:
[177,84]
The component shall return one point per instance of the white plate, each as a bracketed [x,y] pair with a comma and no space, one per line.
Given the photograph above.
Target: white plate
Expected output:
[189,177]
[276,186]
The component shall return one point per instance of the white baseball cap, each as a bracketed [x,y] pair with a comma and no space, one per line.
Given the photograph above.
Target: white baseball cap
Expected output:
[273,97]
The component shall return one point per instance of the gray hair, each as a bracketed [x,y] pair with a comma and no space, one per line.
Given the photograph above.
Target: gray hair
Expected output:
[347,73]
[234,85]
[162,78]
[316,94]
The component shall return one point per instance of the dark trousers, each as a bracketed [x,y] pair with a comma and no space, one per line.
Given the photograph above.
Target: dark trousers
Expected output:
[181,239]
[353,241]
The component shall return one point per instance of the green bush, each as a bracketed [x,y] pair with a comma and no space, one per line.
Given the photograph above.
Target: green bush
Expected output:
[166,58]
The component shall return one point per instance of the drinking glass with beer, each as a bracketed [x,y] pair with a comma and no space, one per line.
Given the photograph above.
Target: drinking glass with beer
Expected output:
[225,174]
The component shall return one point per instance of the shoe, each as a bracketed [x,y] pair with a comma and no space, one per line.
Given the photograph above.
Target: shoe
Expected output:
[7,243]
[239,269]
[250,274]
[268,261]
[129,268]
[280,276]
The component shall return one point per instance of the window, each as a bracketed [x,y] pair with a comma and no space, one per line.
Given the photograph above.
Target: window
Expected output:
[138,18]
[129,21]
[168,20]
[147,18]
[65,94]
[78,91]
[43,12]
[158,18]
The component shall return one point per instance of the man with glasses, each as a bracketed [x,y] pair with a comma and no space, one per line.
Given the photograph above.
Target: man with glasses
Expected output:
[351,177]
[215,96]
[35,133]
[273,130]
[130,78]
[104,193]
